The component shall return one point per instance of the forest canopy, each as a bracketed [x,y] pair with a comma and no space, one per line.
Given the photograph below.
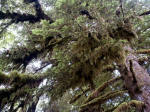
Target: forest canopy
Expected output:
[74,55]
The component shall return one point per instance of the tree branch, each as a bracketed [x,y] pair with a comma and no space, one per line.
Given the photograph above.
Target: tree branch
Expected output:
[85,12]
[143,51]
[102,99]
[18,83]
[133,103]
[19,17]
[42,67]
[101,88]
[27,17]
[121,7]
[145,13]
[78,96]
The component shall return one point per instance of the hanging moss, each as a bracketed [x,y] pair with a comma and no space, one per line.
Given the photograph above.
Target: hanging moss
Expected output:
[91,56]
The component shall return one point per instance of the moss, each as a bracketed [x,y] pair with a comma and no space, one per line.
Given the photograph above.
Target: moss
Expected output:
[143,51]
[3,78]
[20,85]
[102,98]
[100,89]
[127,105]
[94,56]
[74,99]
[89,56]
[4,101]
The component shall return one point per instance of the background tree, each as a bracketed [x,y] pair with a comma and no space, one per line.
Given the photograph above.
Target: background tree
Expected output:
[74,55]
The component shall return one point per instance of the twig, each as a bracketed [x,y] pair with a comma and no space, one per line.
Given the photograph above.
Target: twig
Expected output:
[121,7]
[41,67]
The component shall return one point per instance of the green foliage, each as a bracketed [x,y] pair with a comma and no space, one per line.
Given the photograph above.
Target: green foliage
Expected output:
[59,3]
[45,31]
[7,40]
[83,52]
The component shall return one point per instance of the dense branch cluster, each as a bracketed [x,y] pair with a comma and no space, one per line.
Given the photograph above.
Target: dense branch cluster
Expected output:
[17,86]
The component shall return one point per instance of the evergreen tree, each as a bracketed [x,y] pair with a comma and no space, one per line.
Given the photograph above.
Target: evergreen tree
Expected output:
[74,55]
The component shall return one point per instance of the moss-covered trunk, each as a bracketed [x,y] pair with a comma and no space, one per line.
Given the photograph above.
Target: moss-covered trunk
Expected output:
[136,79]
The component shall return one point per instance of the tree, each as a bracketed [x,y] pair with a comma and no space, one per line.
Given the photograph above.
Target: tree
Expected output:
[93,52]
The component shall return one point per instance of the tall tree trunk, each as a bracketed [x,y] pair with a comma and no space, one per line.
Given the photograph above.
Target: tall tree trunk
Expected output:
[136,79]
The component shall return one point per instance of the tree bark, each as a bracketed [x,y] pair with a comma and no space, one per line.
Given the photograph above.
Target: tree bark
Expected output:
[136,79]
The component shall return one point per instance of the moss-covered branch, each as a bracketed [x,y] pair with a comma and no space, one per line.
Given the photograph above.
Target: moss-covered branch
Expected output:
[143,51]
[18,78]
[17,17]
[4,78]
[111,109]
[102,99]
[126,105]
[78,96]
[101,88]
[145,13]
[20,85]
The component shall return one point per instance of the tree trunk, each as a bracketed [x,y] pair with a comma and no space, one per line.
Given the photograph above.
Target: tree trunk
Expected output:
[136,79]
